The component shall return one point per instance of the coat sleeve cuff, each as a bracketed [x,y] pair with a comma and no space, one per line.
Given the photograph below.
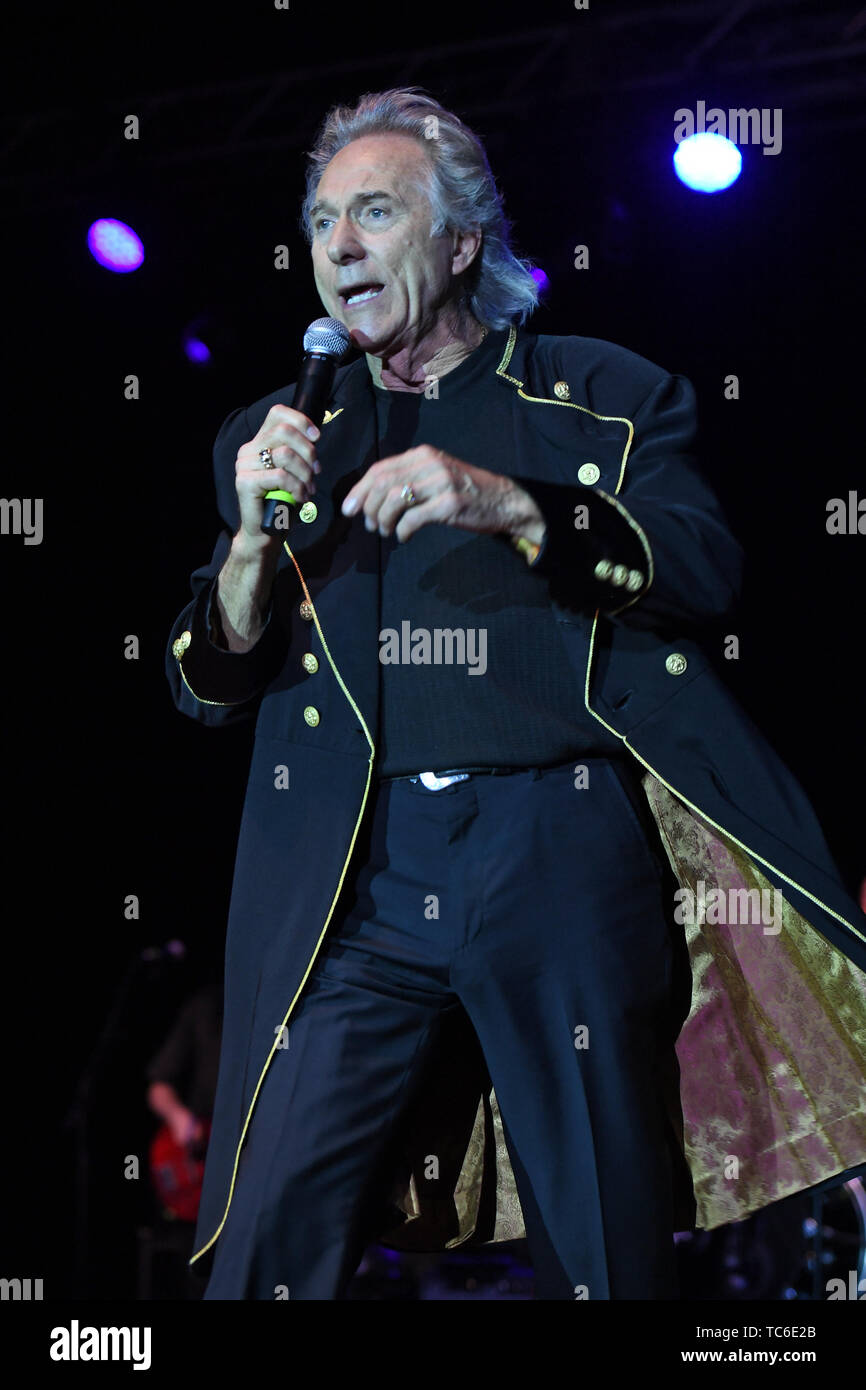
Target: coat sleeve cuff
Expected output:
[212,673]
[593,550]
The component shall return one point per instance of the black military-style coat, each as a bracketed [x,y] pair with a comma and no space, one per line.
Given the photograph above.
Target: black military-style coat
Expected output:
[773,1053]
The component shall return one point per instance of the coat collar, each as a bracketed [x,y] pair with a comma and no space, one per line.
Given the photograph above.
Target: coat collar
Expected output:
[353,383]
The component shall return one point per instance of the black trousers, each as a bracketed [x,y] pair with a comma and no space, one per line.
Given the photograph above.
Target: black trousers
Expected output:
[544,910]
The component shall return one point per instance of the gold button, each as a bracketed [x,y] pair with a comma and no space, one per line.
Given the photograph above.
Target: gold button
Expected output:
[589,473]
[311,714]
[634,581]
[619,576]
[180,644]
[561,391]
[309,662]
[308,512]
[306,611]
[676,663]
[603,570]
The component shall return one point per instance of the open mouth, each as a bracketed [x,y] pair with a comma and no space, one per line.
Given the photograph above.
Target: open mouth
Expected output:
[360,294]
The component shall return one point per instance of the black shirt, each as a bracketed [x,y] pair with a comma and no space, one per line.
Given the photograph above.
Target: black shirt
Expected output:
[472,669]
[189,1057]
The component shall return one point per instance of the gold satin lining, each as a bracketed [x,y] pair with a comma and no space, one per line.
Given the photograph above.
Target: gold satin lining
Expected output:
[773,1052]
[772,1067]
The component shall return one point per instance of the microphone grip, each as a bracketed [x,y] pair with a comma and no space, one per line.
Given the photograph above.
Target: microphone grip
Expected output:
[315,379]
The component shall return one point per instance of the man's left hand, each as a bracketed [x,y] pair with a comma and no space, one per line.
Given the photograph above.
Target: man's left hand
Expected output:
[447,491]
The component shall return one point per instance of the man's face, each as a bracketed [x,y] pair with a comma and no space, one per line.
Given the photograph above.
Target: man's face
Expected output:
[371,230]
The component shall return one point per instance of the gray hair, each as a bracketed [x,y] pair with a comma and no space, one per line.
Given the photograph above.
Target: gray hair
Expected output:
[499,288]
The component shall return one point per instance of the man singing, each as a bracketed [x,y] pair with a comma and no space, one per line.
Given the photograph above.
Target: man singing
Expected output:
[462,1001]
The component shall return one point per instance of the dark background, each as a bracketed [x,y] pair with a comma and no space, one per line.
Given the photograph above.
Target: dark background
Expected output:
[109,791]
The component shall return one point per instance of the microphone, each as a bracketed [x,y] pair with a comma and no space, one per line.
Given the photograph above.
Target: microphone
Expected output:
[325,342]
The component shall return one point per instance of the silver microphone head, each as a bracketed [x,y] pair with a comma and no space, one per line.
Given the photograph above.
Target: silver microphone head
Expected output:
[329,336]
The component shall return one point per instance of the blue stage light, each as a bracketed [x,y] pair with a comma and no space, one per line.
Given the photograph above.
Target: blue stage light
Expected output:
[196,350]
[115,245]
[707,162]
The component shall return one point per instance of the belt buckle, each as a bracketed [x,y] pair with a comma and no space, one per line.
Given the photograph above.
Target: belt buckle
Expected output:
[435,784]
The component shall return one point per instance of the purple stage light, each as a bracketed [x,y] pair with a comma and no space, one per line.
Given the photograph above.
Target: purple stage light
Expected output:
[115,245]
[541,280]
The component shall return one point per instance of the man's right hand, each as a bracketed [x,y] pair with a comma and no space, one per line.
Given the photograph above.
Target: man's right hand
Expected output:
[285,433]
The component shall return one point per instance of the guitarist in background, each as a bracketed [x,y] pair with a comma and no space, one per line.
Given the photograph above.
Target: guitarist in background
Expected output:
[183,1078]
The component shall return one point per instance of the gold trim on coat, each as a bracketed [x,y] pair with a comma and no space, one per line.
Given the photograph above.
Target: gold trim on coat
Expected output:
[200,699]
[613,419]
[279,1029]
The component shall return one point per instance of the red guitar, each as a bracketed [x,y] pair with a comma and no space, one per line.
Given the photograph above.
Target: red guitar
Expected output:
[177,1171]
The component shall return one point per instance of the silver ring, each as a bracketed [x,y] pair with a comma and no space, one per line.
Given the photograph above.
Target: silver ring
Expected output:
[265,459]
[408,496]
